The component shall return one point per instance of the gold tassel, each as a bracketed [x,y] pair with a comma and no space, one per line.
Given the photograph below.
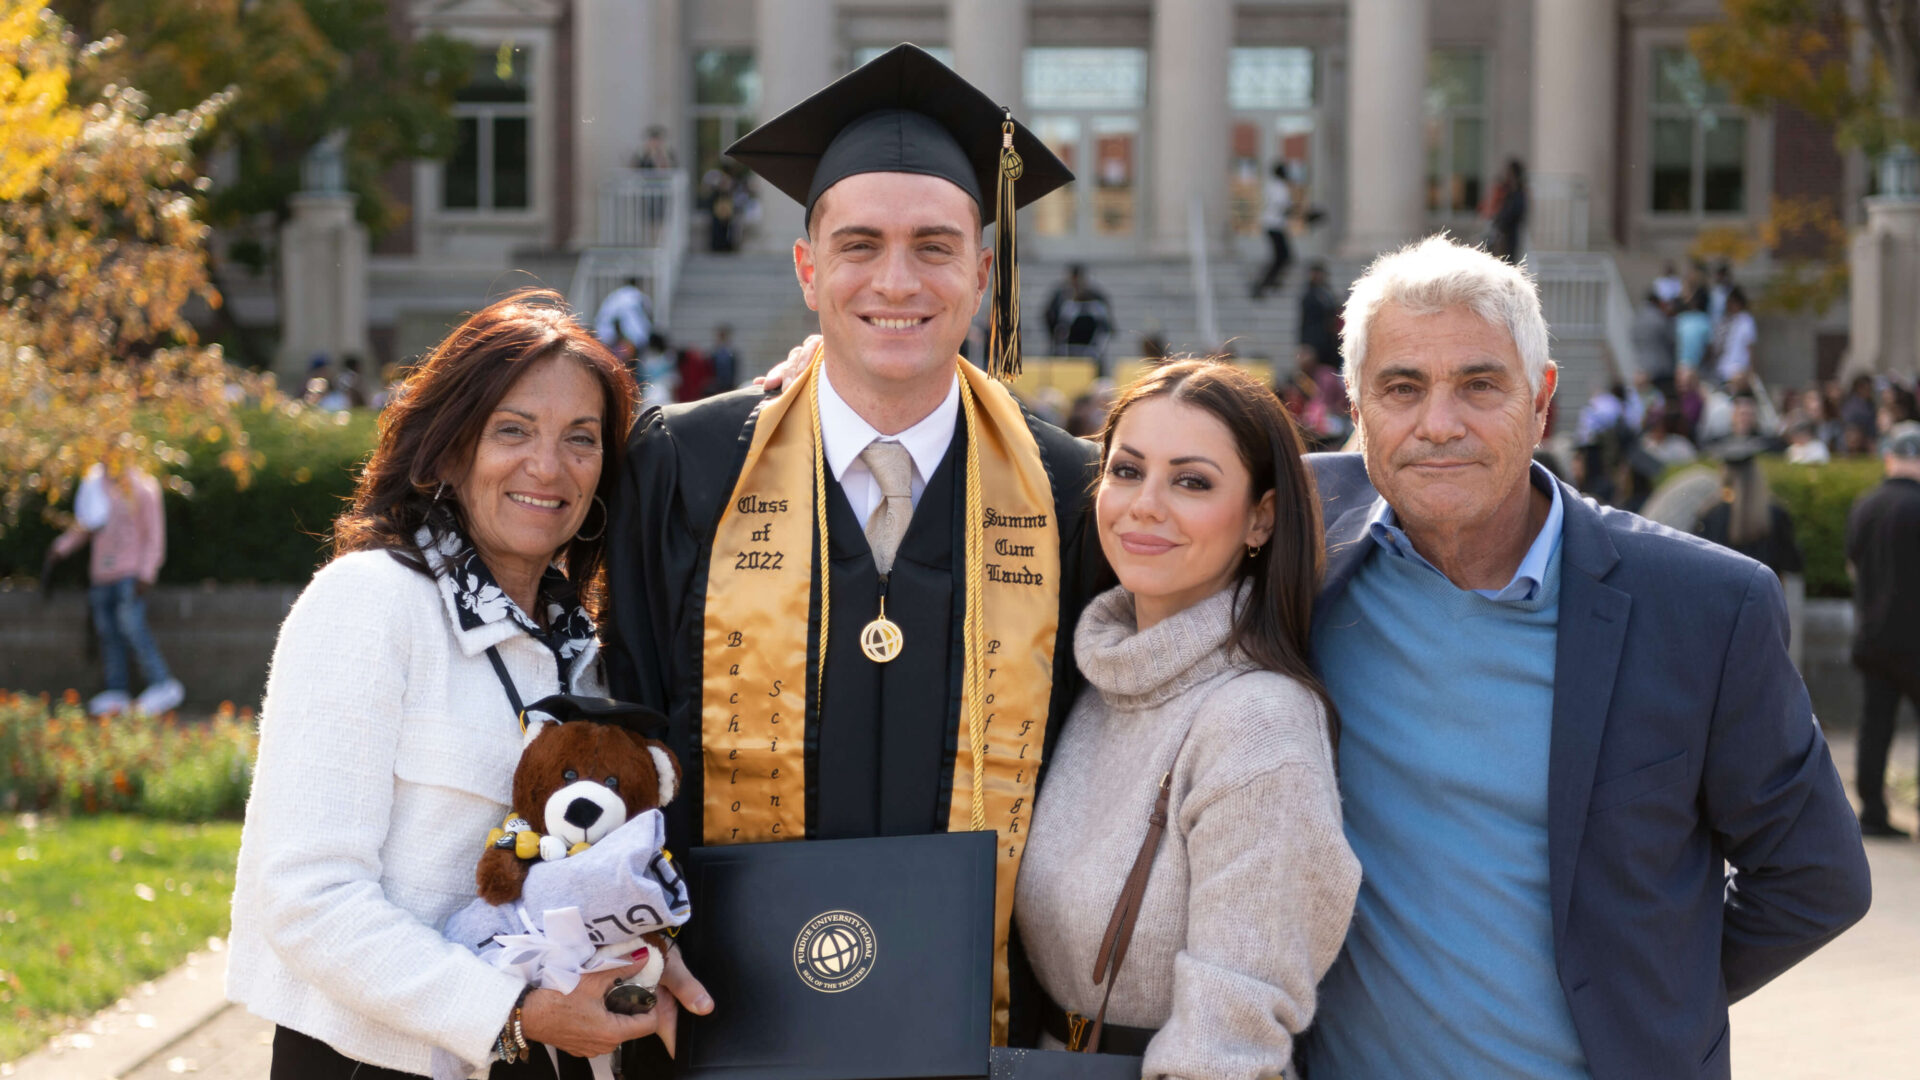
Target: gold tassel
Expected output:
[1003,344]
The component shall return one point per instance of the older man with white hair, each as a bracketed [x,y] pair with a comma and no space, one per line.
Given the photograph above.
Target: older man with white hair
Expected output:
[1591,802]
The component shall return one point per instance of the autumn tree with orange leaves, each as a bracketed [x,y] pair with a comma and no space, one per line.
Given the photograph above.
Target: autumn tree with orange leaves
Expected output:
[101,255]
[1803,53]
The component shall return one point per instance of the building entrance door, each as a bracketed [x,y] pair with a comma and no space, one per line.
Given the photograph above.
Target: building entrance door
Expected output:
[1086,104]
[1100,212]
[1256,143]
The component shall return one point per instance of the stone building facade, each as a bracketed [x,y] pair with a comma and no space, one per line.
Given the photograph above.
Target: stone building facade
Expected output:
[1394,117]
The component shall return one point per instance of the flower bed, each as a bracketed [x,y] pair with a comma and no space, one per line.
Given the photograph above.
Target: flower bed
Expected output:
[53,757]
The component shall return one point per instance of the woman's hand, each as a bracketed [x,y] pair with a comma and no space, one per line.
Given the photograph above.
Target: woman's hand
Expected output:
[580,1024]
[794,364]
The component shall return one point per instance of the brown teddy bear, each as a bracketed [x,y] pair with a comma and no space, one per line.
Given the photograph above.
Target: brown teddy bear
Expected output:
[577,781]
[578,879]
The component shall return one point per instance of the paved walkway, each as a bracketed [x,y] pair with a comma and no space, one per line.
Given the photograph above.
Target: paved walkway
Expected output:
[1852,1010]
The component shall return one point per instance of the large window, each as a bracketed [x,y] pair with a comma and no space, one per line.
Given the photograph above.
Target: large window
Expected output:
[1699,140]
[726,93]
[1456,131]
[1273,91]
[1084,103]
[1270,78]
[1074,77]
[490,168]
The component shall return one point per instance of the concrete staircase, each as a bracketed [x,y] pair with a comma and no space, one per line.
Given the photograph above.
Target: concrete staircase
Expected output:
[755,293]
[1156,296]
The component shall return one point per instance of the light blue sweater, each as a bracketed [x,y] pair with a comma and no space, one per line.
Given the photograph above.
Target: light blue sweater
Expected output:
[1449,968]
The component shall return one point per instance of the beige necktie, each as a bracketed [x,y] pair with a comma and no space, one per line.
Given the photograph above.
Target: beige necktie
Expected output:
[892,469]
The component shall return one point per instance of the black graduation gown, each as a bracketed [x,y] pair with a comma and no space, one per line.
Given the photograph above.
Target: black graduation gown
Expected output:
[880,760]
[880,755]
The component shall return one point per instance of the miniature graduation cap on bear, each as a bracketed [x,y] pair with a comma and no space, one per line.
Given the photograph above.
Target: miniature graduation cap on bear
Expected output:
[907,112]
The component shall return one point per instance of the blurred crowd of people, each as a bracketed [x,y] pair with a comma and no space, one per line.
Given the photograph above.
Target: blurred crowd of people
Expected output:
[1695,394]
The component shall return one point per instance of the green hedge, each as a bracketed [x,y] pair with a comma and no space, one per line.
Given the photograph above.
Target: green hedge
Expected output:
[272,530]
[1819,497]
[275,529]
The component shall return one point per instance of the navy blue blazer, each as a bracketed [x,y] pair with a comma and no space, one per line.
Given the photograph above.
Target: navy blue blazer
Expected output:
[1682,736]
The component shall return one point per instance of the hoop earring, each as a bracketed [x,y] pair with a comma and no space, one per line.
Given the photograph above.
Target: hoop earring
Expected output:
[1253,550]
[437,493]
[605,516]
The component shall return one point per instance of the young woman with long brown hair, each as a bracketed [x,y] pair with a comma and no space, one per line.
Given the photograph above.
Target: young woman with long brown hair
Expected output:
[1199,673]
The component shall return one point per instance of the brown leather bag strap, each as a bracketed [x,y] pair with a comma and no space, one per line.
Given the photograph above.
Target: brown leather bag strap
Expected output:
[1126,910]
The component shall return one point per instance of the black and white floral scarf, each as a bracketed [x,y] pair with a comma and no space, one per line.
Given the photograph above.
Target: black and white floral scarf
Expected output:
[478,599]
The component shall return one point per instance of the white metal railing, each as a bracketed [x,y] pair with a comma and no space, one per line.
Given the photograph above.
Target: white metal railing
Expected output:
[641,233]
[604,269]
[642,208]
[1202,276]
[1584,298]
[1558,213]
[1618,326]
[1573,292]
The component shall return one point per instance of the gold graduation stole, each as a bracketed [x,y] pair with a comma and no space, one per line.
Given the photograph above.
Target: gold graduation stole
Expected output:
[771,538]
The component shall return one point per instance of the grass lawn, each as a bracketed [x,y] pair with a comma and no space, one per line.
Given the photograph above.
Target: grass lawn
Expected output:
[92,905]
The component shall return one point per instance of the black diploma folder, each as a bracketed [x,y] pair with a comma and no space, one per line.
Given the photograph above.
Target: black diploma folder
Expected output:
[841,959]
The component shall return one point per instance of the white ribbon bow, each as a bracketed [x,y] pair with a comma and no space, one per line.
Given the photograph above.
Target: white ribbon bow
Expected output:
[555,959]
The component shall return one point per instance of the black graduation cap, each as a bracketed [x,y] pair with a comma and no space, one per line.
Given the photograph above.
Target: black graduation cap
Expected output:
[638,719]
[905,111]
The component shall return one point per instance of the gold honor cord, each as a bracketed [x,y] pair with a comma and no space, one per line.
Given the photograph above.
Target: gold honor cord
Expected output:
[820,526]
[973,625]
[1011,624]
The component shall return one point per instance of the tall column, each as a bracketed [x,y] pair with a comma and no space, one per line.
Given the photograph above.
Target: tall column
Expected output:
[323,285]
[1386,81]
[612,99]
[1575,54]
[794,46]
[1192,43]
[669,75]
[1886,277]
[990,46]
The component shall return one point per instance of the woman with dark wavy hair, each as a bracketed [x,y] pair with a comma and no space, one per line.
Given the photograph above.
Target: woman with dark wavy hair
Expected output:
[1198,673]
[465,578]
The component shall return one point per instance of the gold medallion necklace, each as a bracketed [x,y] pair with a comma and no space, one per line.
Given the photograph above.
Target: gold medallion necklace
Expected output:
[881,639]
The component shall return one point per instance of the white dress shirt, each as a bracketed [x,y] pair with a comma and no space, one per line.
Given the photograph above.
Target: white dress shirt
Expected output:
[846,433]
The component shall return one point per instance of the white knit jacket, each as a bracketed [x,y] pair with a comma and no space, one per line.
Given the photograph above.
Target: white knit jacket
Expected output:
[387,749]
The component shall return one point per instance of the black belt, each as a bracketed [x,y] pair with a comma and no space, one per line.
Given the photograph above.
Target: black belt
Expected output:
[1114,1038]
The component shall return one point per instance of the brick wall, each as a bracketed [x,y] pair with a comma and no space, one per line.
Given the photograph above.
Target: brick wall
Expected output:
[1806,165]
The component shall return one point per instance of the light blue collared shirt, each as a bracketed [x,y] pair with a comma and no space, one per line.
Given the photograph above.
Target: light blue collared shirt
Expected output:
[1386,531]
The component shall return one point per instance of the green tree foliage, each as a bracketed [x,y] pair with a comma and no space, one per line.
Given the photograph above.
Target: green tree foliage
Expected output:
[300,70]
[101,252]
[1802,54]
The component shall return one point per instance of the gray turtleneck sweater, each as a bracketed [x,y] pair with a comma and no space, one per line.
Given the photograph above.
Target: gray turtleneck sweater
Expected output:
[1253,885]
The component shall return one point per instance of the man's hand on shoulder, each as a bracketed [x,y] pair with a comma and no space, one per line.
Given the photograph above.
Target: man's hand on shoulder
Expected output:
[776,379]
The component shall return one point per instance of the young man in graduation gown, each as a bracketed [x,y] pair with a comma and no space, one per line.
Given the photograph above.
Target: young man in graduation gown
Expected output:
[839,592]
